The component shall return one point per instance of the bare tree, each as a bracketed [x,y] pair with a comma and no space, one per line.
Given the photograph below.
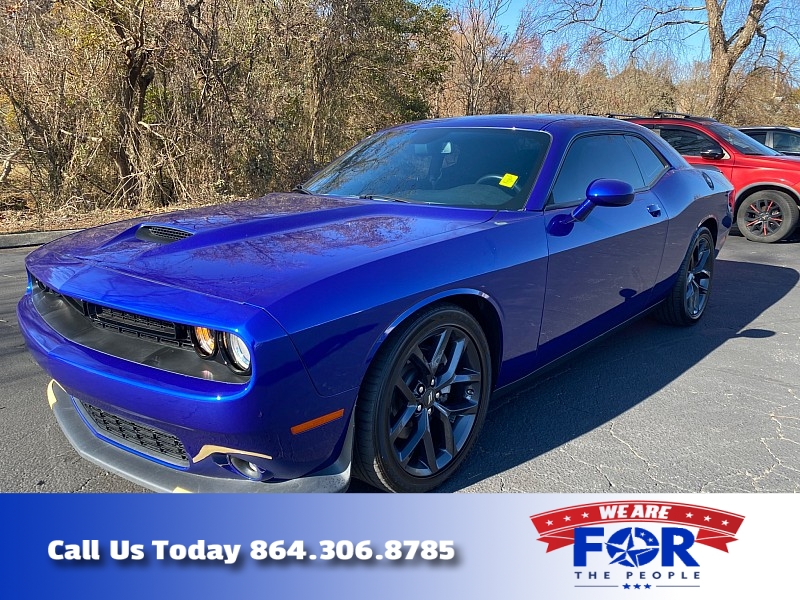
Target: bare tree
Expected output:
[140,103]
[730,27]
[484,53]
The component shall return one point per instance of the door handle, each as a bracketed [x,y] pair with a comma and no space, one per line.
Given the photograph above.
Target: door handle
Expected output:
[654,209]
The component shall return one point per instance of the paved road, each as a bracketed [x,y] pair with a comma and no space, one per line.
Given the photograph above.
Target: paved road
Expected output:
[713,408]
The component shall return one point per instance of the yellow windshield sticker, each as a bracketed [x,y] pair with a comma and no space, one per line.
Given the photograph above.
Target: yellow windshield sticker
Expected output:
[509,180]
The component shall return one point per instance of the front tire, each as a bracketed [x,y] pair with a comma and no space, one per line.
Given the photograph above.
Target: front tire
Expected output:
[423,401]
[767,216]
[688,299]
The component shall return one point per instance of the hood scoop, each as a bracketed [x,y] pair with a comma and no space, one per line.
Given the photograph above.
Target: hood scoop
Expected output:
[161,234]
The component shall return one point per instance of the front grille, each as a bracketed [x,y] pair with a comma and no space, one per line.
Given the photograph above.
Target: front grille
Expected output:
[104,316]
[162,235]
[153,441]
[159,343]
[123,321]
[157,330]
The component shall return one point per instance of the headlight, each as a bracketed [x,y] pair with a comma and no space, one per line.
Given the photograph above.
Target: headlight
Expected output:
[205,341]
[237,351]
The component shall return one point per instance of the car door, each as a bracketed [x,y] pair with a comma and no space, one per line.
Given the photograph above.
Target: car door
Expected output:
[600,271]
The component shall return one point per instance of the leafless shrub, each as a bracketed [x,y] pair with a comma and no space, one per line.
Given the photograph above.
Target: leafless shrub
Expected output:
[149,102]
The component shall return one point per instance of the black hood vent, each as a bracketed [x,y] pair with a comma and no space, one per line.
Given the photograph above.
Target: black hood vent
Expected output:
[160,234]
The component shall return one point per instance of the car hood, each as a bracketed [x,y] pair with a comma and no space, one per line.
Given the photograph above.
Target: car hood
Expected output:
[260,250]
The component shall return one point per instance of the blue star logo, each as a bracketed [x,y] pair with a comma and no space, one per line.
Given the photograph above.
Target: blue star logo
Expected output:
[632,547]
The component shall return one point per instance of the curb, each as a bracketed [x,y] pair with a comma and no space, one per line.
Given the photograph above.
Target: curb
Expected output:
[33,238]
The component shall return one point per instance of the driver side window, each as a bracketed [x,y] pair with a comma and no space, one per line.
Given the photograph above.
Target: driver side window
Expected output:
[688,142]
[593,157]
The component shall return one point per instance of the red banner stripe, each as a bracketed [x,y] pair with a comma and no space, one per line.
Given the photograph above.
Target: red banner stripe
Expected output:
[569,518]
[556,542]
[716,527]
[720,542]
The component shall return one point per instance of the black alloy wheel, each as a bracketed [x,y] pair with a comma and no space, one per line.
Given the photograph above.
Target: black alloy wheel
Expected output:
[767,216]
[423,401]
[688,299]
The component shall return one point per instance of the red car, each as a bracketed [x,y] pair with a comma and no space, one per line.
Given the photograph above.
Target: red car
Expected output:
[766,182]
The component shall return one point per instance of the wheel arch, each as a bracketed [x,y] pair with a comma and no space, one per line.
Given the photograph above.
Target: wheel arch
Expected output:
[751,189]
[478,304]
[711,224]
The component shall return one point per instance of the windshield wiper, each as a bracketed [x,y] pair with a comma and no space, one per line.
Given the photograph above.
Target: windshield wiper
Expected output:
[384,198]
[301,190]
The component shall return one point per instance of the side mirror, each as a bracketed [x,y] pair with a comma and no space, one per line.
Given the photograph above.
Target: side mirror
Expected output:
[604,192]
[713,154]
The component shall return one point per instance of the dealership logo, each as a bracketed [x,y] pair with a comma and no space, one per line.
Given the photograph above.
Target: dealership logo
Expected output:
[655,546]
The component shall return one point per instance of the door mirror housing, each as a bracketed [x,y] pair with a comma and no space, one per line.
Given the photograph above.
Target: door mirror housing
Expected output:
[604,192]
[713,154]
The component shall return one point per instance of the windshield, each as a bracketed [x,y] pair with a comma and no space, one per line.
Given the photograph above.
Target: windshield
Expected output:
[452,166]
[741,141]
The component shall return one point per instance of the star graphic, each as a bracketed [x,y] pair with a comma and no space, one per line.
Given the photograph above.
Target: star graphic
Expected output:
[568,518]
[647,586]
[637,586]
[627,586]
[706,518]
[585,515]
[689,515]
[549,523]
[623,550]
[725,522]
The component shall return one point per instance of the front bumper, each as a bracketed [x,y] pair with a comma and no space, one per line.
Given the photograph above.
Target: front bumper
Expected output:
[160,478]
[214,422]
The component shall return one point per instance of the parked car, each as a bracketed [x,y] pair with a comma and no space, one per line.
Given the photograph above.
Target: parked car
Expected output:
[766,183]
[366,319]
[783,139]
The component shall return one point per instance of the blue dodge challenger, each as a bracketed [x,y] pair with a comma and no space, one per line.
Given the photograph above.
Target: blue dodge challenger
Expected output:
[361,324]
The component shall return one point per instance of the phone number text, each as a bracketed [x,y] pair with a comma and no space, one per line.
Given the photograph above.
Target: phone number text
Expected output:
[347,550]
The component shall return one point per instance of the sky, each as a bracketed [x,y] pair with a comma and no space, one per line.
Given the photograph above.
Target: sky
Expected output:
[693,48]
[688,44]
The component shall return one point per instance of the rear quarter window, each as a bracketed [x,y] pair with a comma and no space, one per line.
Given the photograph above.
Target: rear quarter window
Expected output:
[650,162]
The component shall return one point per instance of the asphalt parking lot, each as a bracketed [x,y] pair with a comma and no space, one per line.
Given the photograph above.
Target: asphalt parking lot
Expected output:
[712,408]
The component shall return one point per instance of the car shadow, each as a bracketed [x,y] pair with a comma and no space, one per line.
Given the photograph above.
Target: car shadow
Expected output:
[616,374]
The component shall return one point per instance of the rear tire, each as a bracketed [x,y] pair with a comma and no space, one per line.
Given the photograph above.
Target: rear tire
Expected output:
[423,401]
[767,216]
[688,299]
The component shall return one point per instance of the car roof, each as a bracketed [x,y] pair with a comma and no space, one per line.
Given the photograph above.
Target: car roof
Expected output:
[665,116]
[771,127]
[536,122]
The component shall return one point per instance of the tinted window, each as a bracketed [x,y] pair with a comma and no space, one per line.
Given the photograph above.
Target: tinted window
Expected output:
[688,141]
[743,143]
[785,141]
[454,166]
[595,157]
[759,136]
[650,162]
